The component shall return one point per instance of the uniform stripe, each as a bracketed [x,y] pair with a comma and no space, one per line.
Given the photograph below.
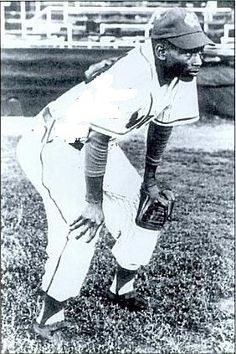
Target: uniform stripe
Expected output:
[190,119]
[58,263]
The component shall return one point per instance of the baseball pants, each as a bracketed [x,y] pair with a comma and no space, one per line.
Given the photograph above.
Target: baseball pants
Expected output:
[56,169]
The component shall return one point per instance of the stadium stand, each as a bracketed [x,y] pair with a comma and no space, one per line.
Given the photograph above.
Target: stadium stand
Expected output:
[36,35]
[75,23]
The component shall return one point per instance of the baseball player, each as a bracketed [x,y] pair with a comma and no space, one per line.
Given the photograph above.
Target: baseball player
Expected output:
[73,159]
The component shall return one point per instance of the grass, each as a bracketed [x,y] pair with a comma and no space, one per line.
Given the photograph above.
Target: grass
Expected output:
[189,281]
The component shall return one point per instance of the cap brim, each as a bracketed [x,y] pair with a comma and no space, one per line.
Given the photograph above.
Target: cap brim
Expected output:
[191,41]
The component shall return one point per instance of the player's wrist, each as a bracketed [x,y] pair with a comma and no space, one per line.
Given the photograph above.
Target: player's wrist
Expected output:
[94,198]
[149,182]
[149,174]
[94,190]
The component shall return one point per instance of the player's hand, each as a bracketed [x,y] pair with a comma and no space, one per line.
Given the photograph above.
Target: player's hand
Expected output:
[155,207]
[154,192]
[89,221]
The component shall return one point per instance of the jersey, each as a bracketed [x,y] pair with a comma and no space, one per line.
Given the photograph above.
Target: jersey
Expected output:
[125,97]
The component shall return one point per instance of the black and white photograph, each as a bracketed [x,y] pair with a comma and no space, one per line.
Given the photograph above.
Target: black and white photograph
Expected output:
[117,177]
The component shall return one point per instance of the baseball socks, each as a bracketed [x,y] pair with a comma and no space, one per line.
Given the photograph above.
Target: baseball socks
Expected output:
[52,311]
[123,281]
[50,321]
[122,290]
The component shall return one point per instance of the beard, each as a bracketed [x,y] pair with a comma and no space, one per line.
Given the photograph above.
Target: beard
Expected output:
[186,77]
[181,71]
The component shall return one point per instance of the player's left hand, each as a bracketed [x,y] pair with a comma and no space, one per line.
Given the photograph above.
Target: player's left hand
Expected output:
[154,192]
[155,208]
[90,220]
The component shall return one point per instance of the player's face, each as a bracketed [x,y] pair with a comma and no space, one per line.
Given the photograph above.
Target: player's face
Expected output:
[183,63]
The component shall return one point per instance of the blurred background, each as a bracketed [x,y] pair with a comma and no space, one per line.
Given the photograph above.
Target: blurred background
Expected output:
[47,46]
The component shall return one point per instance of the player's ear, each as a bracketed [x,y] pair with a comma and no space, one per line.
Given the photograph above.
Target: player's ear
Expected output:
[160,51]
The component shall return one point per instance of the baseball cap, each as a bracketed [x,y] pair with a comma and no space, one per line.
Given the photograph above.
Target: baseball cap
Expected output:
[181,28]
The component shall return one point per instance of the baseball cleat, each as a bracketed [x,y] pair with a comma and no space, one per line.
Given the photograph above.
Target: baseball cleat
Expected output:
[130,301]
[50,332]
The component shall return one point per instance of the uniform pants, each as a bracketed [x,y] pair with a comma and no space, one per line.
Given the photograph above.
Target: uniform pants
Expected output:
[56,169]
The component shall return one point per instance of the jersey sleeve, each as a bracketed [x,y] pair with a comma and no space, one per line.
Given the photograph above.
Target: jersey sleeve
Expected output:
[115,102]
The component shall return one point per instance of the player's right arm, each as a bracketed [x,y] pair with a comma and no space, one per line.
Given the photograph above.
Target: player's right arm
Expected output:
[96,149]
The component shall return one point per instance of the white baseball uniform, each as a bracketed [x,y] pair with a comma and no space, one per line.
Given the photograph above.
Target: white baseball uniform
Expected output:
[124,98]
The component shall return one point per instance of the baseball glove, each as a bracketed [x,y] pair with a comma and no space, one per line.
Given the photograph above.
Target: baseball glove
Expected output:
[154,213]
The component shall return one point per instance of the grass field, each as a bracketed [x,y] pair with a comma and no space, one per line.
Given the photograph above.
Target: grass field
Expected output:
[189,281]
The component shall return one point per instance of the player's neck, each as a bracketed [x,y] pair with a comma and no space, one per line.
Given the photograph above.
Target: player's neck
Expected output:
[164,76]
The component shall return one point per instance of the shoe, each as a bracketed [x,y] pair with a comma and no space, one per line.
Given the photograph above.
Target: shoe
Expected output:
[130,301]
[50,332]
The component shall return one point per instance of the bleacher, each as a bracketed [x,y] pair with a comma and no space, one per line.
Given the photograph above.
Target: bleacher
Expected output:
[37,65]
[98,23]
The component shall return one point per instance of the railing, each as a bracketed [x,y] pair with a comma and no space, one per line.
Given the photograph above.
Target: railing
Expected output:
[227,39]
[207,13]
[35,26]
